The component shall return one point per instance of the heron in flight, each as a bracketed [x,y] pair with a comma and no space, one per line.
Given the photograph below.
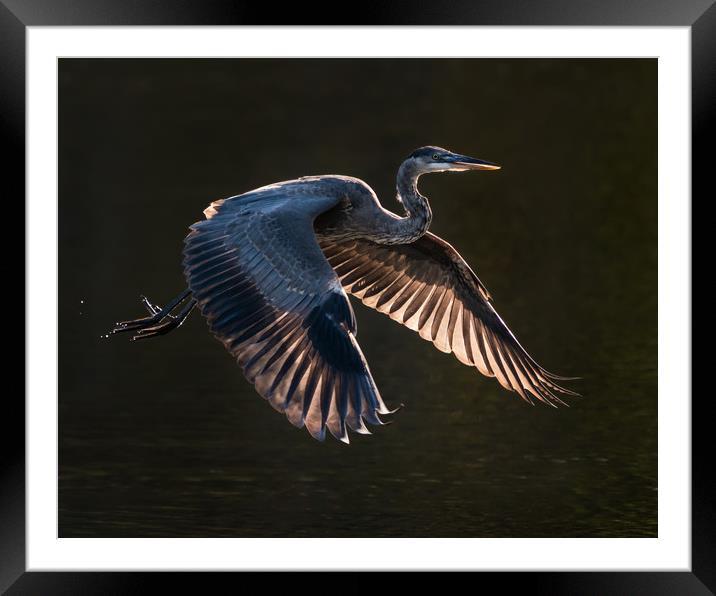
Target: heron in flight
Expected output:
[270,271]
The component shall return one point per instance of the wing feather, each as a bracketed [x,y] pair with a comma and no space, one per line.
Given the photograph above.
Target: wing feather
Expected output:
[429,288]
[269,295]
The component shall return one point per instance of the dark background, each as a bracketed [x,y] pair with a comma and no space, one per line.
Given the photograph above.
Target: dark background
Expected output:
[166,438]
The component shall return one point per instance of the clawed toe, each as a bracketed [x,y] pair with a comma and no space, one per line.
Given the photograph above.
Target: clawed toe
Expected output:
[166,327]
[155,330]
[122,326]
[153,309]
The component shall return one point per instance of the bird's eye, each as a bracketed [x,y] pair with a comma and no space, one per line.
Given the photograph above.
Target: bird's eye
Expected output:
[435,156]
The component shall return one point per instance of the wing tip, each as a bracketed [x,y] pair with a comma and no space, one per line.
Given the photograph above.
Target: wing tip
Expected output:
[344,437]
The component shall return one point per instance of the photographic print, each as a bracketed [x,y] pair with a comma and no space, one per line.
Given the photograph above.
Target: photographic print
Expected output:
[501,212]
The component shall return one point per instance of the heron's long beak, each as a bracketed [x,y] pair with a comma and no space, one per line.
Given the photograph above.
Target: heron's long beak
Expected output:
[470,163]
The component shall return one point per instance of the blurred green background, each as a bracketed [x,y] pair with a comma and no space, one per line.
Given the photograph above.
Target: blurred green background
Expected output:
[166,438]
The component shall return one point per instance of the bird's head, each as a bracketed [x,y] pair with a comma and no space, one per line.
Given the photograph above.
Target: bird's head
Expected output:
[436,159]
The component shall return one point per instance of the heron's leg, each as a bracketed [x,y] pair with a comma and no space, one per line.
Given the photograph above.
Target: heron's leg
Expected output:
[170,325]
[157,316]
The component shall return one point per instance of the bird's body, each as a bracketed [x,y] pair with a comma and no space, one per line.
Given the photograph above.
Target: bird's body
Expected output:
[270,270]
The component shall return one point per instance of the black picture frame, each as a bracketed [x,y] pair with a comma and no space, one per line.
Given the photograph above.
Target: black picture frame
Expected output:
[17,15]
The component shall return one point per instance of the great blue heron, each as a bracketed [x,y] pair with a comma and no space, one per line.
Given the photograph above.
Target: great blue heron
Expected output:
[269,270]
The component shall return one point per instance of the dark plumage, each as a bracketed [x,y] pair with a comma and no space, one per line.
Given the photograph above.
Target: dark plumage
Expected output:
[269,270]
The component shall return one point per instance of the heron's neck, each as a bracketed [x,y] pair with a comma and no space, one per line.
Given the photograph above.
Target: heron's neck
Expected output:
[418,215]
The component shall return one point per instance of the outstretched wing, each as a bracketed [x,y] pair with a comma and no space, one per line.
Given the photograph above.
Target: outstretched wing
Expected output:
[428,287]
[269,295]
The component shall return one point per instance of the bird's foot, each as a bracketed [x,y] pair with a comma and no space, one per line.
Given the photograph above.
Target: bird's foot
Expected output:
[153,309]
[161,320]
